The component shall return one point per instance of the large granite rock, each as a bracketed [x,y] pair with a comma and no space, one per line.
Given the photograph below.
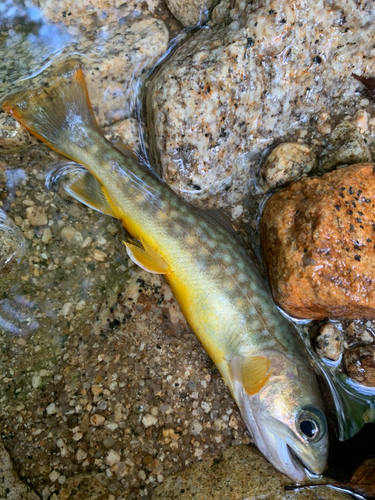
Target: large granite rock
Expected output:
[241,472]
[265,71]
[318,245]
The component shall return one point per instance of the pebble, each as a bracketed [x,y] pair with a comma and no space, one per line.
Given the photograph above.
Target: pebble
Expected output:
[77,436]
[359,364]
[36,216]
[149,420]
[81,455]
[99,255]
[51,409]
[36,380]
[97,420]
[66,308]
[285,163]
[196,427]
[112,458]
[96,390]
[47,235]
[72,235]
[54,475]
[329,343]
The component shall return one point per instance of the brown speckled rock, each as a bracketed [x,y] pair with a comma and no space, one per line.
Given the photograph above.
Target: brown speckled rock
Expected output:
[359,364]
[318,244]
[240,473]
[329,342]
[230,91]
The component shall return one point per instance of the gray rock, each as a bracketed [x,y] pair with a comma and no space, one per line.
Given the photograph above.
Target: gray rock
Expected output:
[346,147]
[11,486]
[287,162]
[230,91]
[241,472]
[12,135]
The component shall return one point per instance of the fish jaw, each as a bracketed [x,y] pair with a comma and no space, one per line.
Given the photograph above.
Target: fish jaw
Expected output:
[273,415]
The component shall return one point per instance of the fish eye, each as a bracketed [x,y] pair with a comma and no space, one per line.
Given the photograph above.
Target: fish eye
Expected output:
[312,424]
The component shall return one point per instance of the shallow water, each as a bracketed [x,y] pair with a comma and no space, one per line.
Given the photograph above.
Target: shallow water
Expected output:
[69,260]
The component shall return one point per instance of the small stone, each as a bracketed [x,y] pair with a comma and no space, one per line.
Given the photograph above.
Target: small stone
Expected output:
[149,420]
[66,308]
[51,409]
[96,390]
[36,380]
[346,147]
[112,458]
[142,475]
[99,255]
[285,163]
[360,120]
[72,235]
[80,305]
[329,342]
[81,455]
[54,475]
[47,235]
[196,427]
[36,216]
[96,420]
[359,364]
[62,479]
[77,436]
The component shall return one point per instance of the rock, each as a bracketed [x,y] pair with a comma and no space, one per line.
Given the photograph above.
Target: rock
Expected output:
[318,244]
[190,12]
[123,54]
[285,163]
[125,131]
[240,472]
[112,457]
[230,91]
[359,364]
[12,250]
[36,216]
[88,14]
[11,487]
[346,146]
[149,420]
[360,331]
[13,135]
[329,342]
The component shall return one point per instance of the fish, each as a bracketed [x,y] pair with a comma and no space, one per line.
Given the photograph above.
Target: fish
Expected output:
[219,289]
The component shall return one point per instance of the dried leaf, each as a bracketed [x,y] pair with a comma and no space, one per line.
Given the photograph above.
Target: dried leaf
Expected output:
[368,82]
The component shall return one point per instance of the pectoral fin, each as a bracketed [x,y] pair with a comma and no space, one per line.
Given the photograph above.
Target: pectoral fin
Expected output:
[146,257]
[252,371]
[88,190]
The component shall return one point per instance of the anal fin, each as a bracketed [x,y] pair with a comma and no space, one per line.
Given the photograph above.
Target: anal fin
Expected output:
[87,189]
[252,371]
[146,257]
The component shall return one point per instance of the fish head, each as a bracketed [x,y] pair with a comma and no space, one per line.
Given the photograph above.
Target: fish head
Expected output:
[285,416]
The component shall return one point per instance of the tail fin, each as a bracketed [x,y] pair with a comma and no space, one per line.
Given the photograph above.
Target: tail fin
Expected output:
[60,113]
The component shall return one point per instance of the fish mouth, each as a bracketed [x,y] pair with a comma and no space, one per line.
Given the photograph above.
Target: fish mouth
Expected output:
[301,465]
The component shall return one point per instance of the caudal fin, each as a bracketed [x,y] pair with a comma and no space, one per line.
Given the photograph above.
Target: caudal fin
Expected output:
[60,113]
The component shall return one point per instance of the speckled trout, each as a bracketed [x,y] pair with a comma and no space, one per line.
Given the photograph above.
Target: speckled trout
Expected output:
[221,293]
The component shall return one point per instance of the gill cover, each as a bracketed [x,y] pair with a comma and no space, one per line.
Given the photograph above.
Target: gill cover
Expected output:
[285,415]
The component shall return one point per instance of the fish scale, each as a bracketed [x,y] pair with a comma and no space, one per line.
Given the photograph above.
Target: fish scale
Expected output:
[220,291]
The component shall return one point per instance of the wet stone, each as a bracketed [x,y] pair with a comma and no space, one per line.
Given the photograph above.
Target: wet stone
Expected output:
[287,162]
[329,342]
[190,12]
[346,146]
[359,364]
[318,245]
